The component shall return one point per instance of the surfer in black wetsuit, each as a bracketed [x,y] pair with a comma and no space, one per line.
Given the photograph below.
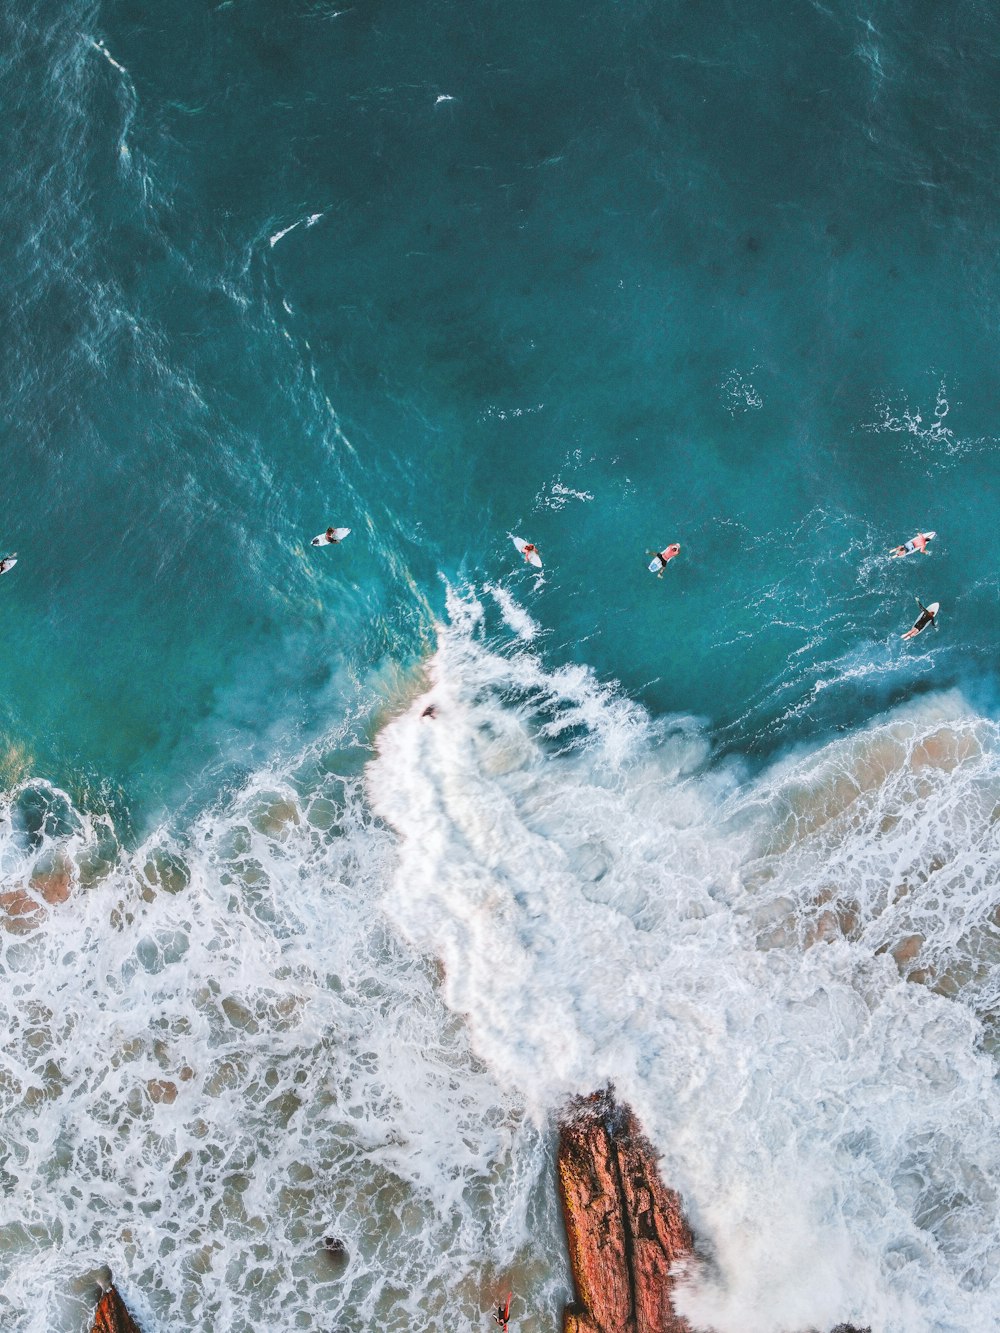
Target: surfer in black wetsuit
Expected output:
[926,617]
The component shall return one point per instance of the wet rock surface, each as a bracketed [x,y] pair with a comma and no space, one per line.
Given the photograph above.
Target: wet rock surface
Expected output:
[111,1315]
[625,1229]
[628,1240]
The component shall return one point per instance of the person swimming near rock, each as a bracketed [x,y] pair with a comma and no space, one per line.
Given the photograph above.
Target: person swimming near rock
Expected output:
[917,543]
[928,616]
[502,1316]
[8,562]
[662,558]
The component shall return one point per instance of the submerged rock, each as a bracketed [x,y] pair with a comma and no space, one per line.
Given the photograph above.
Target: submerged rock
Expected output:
[111,1316]
[625,1229]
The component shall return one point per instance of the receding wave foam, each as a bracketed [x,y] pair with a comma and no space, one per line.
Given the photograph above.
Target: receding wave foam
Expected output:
[222,1077]
[792,977]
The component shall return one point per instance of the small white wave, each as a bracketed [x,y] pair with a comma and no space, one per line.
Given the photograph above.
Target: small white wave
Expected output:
[99,46]
[513,613]
[284,232]
[309,221]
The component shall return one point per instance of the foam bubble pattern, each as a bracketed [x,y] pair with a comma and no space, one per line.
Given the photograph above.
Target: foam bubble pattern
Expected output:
[791,976]
[218,1064]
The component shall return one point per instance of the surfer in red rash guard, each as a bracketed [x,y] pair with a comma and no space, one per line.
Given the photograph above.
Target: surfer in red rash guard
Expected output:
[917,543]
[664,557]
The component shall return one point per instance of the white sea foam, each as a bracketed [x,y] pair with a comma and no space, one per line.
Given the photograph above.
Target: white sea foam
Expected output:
[923,433]
[284,232]
[309,221]
[514,613]
[215,1056]
[738,392]
[790,977]
[99,46]
[555,495]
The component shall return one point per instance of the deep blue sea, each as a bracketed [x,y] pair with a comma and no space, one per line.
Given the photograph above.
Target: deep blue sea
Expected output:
[282,960]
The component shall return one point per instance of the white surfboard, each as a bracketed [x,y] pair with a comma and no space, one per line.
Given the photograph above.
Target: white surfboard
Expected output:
[338,536]
[909,547]
[8,563]
[655,565]
[532,557]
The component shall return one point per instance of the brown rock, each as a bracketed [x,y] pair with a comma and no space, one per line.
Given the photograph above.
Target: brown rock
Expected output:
[628,1240]
[625,1229]
[54,881]
[111,1315]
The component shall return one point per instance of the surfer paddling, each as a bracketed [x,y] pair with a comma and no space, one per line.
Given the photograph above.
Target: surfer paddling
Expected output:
[8,562]
[502,1316]
[662,558]
[917,543]
[928,616]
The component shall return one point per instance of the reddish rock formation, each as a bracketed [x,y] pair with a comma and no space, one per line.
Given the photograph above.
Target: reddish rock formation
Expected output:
[626,1232]
[625,1229]
[111,1315]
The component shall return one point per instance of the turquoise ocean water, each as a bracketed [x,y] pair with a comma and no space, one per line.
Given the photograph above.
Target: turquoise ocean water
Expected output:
[607,276]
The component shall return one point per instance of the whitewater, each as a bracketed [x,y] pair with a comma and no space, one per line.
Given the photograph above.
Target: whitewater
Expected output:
[302,1061]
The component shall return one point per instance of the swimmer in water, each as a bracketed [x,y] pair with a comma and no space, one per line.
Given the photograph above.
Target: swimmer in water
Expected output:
[928,616]
[917,543]
[664,557]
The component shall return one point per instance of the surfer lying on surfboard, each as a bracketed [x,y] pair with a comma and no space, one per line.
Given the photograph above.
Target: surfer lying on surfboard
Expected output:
[529,550]
[662,558]
[8,562]
[927,617]
[917,543]
[502,1316]
[331,537]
